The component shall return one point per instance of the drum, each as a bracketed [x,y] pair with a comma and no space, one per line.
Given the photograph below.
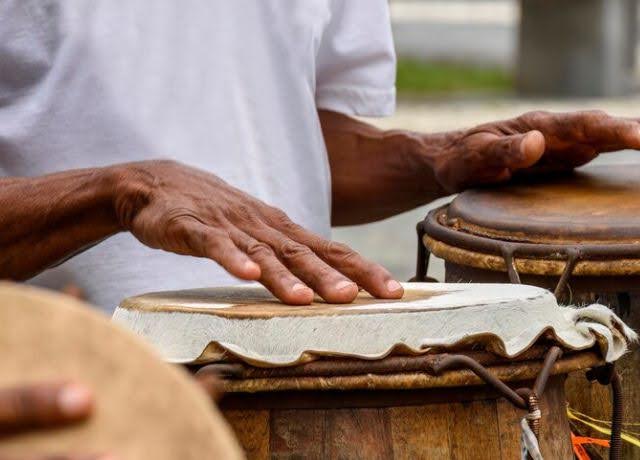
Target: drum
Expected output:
[577,235]
[143,408]
[449,371]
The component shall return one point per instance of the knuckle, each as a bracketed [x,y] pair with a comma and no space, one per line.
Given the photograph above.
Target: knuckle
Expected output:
[291,250]
[535,116]
[259,249]
[280,219]
[243,212]
[338,252]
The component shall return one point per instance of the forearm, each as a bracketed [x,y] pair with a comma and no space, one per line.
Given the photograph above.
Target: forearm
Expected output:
[47,219]
[376,173]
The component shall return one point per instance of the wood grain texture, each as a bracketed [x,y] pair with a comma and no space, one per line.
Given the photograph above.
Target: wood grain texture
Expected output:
[421,431]
[555,425]
[298,434]
[485,428]
[252,430]
[474,431]
[509,431]
[358,433]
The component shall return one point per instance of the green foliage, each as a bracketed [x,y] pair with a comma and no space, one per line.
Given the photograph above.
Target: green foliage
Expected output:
[429,78]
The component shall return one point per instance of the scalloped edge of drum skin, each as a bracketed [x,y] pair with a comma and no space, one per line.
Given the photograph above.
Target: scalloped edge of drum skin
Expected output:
[526,312]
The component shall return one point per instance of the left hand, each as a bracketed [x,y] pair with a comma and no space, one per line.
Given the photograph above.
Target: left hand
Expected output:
[533,142]
[45,405]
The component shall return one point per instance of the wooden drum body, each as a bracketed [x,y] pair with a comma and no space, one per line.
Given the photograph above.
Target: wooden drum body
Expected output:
[401,414]
[433,375]
[577,235]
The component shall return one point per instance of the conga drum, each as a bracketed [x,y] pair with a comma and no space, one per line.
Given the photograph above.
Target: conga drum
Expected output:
[576,234]
[449,371]
[143,407]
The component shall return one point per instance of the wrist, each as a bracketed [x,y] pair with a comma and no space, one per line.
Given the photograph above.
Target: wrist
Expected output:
[131,185]
[430,152]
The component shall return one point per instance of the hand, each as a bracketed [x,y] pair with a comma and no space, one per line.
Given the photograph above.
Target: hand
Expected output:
[534,142]
[47,405]
[173,207]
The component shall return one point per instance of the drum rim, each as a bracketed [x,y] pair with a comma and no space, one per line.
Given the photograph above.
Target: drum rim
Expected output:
[615,259]
[512,372]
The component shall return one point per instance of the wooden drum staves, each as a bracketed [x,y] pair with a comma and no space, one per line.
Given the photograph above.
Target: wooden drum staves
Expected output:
[433,375]
[577,235]
[393,408]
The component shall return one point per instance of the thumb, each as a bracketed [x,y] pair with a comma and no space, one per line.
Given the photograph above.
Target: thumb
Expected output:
[517,151]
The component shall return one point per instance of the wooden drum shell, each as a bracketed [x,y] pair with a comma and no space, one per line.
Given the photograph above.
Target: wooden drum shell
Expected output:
[402,416]
[597,277]
[621,294]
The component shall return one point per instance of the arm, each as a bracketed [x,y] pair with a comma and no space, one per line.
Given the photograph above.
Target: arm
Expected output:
[47,219]
[376,173]
[173,207]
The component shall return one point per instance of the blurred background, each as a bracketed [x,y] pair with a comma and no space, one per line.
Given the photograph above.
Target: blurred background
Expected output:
[465,62]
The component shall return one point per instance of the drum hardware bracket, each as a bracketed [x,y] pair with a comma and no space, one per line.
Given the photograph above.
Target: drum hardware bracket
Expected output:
[522,398]
[422,262]
[508,250]
[607,375]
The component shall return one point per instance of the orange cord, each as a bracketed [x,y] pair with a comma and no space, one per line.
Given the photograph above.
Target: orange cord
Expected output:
[579,441]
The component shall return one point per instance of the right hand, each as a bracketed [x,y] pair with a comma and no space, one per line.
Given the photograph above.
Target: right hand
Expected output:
[170,206]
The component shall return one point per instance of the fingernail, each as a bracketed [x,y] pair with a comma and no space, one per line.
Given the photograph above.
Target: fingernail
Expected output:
[299,287]
[250,265]
[344,284]
[74,400]
[393,285]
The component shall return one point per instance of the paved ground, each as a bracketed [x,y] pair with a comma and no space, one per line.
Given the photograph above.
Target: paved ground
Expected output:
[392,242]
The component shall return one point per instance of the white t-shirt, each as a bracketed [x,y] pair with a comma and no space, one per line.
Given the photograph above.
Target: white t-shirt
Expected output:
[229,86]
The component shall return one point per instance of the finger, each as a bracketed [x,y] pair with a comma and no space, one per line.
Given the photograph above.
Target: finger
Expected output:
[274,275]
[371,276]
[205,241]
[606,133]
[208,377]
[515,152]
[66,457]
[44,405]
[329,283]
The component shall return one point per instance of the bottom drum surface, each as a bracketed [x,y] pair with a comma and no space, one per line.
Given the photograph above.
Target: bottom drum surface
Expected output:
[622,295]
[457,423]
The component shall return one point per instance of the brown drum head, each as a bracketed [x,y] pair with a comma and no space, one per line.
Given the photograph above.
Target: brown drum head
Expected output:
[596,204]
[144,408]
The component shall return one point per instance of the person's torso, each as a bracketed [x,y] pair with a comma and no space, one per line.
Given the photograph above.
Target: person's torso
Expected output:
[226,86]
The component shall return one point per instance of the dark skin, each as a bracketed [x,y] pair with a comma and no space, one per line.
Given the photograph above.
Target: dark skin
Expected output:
[176,208]
[55,405]
[375,173]
[45,406]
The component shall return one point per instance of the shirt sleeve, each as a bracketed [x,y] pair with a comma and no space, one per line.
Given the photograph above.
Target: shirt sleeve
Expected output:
[356,62]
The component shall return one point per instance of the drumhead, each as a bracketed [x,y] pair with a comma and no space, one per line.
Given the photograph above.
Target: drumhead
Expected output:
[586,222]
[144,408]
[247,323]
[596,204]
